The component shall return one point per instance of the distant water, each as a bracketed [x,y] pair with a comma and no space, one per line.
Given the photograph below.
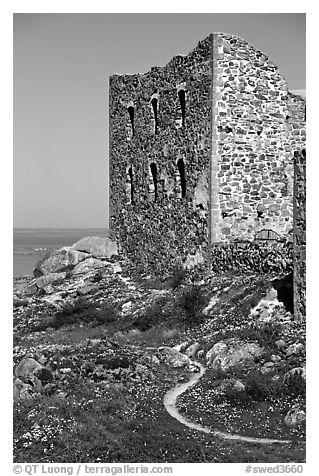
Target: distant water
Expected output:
[31,244]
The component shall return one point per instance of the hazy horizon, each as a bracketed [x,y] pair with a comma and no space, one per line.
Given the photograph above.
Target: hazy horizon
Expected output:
[61,66]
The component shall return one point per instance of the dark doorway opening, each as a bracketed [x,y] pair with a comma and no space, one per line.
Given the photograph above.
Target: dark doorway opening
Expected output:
[285,291]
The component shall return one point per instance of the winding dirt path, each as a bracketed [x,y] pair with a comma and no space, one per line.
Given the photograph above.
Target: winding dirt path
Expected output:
[170,404]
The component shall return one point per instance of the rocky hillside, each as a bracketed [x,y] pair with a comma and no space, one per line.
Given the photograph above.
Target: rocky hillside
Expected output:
[96,349]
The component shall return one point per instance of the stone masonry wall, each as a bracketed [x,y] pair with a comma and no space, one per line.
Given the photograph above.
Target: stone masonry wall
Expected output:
[202,157]
[156,234]
[300,235]
[257,126]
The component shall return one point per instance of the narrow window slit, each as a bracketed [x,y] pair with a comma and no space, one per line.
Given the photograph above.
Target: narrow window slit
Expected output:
[130,172]
[154,106]
[154,175]
[181,169]
[181,95]
[130,110]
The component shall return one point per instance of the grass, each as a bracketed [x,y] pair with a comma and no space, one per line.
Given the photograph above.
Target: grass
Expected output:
[174,311]
[111,409]
[117,423]
[80,311]
[257,411]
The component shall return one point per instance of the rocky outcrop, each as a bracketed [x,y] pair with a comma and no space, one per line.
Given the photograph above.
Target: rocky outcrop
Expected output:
[59,260]
[97,246]
[230,353]
[295,349]
[173,357]
[89,265]
[31,377]
[295,417]
[50,278]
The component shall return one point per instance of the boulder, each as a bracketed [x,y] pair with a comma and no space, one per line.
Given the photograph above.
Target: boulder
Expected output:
[21,389]
[296,371]
[86,289]
[267,368]
[295,417]
[173,357]
[27,367]
[218,348]
[50,278]
[231,384]
[191,351]
[90,264]
[116,268]
[232,353]
[127,306]
[97,246]
[31,372]
[58,261]
[294,349]
[281,344]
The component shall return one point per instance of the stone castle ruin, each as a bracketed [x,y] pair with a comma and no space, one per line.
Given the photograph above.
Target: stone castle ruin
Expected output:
[207,164]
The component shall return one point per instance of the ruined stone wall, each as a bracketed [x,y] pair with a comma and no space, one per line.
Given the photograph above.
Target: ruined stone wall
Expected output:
[155,234]
[300,235]
[201,155]
[257,126]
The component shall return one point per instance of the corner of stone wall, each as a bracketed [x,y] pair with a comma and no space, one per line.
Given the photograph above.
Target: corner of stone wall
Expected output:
[299,241]
[214,232]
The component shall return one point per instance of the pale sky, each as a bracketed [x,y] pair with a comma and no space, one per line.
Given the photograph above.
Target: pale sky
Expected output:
[61,67]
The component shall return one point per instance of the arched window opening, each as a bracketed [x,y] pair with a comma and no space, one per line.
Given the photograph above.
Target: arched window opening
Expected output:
[154,175]
[182,100]
[154,104]
[130,172]
[181,169]
[130,110]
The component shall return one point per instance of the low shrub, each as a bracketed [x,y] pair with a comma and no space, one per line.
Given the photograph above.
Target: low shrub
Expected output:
[241,398]
[186,309]
[178,277]
[192,302]
[81,310]
[115,362]
[106,314]
[264,333]
[157,313]
[295,385]
[260,387]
